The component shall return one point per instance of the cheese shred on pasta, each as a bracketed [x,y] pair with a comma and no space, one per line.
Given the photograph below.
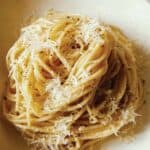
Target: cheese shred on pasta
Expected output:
[72,82]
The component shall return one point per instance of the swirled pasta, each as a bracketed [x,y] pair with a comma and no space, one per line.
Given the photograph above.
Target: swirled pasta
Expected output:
[72,82]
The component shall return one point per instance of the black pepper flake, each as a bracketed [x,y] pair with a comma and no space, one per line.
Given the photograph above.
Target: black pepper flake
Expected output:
[102,46]
[67,23]
[75,46]
[143,81]
[78,19]
[86,46]
[17,113]
[5,98]
[41,52]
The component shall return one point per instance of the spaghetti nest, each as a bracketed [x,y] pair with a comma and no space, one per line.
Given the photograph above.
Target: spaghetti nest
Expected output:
[72,82]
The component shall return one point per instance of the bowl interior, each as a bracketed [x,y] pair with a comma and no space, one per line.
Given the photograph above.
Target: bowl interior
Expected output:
[131,16]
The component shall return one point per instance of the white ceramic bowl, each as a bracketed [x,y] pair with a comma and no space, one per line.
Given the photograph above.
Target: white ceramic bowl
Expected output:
[132,16]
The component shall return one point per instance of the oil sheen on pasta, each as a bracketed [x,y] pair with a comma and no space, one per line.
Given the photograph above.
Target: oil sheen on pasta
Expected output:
[72,82]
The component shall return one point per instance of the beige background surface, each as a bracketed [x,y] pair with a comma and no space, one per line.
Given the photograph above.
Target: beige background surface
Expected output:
[132,16]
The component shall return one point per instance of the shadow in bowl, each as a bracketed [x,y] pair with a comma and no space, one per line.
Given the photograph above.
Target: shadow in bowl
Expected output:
[131,131]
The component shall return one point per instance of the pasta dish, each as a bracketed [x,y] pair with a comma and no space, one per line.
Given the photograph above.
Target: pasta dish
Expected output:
[72,82]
